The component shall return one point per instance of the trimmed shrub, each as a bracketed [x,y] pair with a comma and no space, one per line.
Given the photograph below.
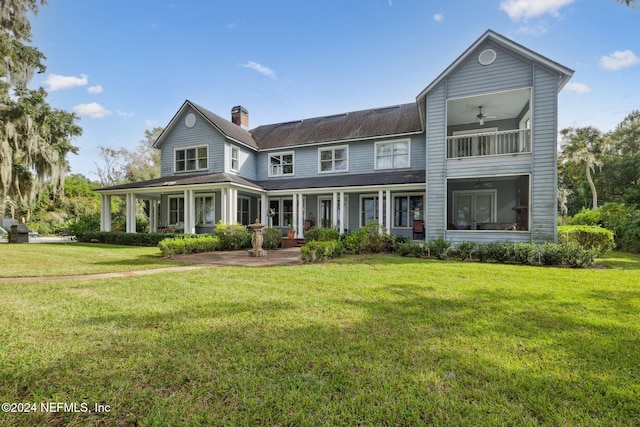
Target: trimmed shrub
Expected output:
[408,248]
[189,244]
[521,252]
[321,234]
[500,252]
[439,248]
[119,238]
[578,257]
[465,250]
[547,254]
[589,237]
[320,251]
[272,238]
[232,237]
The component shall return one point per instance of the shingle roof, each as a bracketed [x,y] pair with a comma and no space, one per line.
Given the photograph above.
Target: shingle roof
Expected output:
[229,129]
[359,180]
[396,120]
[170,181]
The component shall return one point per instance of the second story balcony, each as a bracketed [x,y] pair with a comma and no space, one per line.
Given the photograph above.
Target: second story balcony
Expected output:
[489,143]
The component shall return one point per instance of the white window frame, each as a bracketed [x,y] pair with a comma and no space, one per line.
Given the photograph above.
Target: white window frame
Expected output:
[377,217]
[241,212]
[212,196]
[333,159]
[179,210]
[409,212]
[234,159]
[392,143]
[185,149]
[280,154]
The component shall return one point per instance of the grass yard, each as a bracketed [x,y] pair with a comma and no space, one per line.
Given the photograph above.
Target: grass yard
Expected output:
[61,259]
[364,340]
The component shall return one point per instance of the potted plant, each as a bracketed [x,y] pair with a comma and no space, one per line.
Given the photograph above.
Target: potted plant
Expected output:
[291,233]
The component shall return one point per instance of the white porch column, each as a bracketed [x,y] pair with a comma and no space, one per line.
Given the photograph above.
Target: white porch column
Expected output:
[264,209]
[294,213]
[380,208]
[153,216]
[334,211]
[224,201]
[342,215]
[232,205]
[300,217]
[105,212]
[189,212]
[389,212]
[130,203]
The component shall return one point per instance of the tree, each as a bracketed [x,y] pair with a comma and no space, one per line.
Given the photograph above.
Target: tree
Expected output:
[582,146]
[34,138]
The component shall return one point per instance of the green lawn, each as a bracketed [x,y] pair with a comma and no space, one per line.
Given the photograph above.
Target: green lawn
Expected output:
[364,340]
[61,259]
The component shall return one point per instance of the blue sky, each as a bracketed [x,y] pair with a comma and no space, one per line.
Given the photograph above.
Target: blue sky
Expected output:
[127,66]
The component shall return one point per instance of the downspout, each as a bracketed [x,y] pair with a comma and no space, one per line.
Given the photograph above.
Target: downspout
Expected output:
[426,174]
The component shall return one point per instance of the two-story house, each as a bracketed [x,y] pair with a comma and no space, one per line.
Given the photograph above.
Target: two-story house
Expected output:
[473,158]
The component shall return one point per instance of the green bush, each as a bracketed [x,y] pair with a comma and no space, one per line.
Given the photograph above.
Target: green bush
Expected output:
[272,238]
[521,252]
[319,251]
[188,245]
[547,254]
[408,248]
[624,221]
[589,237]
[465,250]
[232,237]
[439,248]
[85,222]
[370,239]
[578,257]
[321,234]
[586,217]
[119,238]
[500,252]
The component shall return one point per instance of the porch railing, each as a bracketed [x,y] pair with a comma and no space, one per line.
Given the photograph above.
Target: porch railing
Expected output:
[489,144]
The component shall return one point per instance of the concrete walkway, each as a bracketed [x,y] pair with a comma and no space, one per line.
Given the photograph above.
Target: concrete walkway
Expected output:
[290,256]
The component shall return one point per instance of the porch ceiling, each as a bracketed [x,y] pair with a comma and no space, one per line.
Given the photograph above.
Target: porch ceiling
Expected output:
[500,106]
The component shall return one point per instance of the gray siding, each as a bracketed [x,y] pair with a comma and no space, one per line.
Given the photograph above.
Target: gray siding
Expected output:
[361,158]
[508,164]
[545,134]
[202,133]
[509,71]
[247,161]
[436,137]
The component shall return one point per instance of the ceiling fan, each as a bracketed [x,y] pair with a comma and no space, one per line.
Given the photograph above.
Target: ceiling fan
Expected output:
[480,116]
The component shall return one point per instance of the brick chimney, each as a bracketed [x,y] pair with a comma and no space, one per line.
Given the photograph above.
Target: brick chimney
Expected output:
[240,116]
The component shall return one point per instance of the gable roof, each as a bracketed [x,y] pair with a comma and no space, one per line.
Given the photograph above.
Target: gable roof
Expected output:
[565,73]
[225,127]
[395,120]
[182,180]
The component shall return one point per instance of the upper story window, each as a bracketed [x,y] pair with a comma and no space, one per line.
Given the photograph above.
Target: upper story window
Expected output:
[392,154]
[334,159]
[281,164]
[191,159]
[235,159]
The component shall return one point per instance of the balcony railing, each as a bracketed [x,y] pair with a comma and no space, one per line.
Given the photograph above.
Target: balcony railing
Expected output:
[489,144]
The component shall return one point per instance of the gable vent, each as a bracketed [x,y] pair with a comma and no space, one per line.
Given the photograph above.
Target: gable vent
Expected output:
[487,57]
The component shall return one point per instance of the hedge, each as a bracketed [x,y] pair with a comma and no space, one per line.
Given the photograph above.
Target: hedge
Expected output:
[320,251]
[588,236]
[188,245]
[119,238]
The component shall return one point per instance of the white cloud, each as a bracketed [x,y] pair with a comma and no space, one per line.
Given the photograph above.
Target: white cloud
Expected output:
[619,59]
[58,82]
[577,87]
[438,17]
[525,9]
[93,110]
[150,123]
[266,71]
[94,89]
[124,114]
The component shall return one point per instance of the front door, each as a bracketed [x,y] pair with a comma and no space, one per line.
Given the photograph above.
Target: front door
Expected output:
[325,214]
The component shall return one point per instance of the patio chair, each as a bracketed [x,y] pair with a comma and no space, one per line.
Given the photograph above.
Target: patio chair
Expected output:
[418,228]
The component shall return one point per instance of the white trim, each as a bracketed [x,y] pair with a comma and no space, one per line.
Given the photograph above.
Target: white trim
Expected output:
[404,196]
[393,142]
[190,147]
[281,153]
[332,149]
[237,149]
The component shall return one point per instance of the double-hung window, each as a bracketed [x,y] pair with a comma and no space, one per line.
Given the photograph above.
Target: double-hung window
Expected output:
[369,210]
[335,159]
[281,164]
[191,159]
[176,210]
[204,210]
[392,154]
[235,159]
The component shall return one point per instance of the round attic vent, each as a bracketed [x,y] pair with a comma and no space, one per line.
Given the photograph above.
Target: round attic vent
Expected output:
[487,57]
[190,120]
